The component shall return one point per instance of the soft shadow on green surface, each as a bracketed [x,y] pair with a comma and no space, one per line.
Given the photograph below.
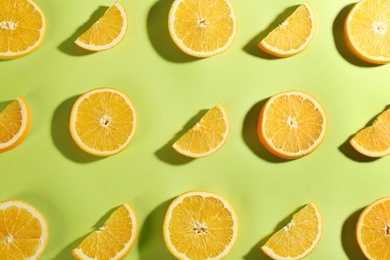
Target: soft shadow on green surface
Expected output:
[348,237]
[256,253]
[251,46]
[66,253]
[4,104]
[157,26]
[249,134]
[69,47]
[61,134]
[340,40]
[150,242]
[168,154]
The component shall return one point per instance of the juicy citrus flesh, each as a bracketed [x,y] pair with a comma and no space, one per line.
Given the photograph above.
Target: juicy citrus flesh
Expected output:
[107,32]
[113,240]
[374,140]
[207,136]
[367,30]
[292,124]
[23,231]
[22,28]
[202,28]
[15,122]
[200,225]
[293,35]
[373,230]
[299,237]
[103,121]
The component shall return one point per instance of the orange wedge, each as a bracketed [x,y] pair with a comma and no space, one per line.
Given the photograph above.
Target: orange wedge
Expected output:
[293,35]
[113,240]
[292,124]
[22,28]
[107,32]
[200,225]
[367,30]
[202,28]
[299,237]
[23,231]
[103,121]
[207,136]
[374,140]
[15,122]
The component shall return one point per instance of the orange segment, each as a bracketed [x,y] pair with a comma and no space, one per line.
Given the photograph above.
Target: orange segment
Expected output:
[15,122]
[202,28]
[103,121]
[292,124]
[22,28]
[374,140]
[367,30]
[293,35]
[207,136]
[112,241]
[373,229]
[107,32]
[200,225]
[299,237]
[23,231]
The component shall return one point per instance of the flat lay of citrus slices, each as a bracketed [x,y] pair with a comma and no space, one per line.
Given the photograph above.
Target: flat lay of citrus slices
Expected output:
[367,30]
[15,123]
[293,35]
[107,32]
[103,121]
[202,28]
[24,231]
[22,28]
[200,225]
[292,124]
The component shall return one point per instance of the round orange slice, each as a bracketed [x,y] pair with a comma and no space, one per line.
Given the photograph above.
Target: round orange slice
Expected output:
[202,28]
[200,225]
[107,32]
[15,123]
[367,29]
[292,124]
[23,231]
[103,121]
[373,230]
[22,28]
[113,240]
[293,35]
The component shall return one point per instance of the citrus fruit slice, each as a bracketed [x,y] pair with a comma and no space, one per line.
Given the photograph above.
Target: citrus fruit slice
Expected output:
[15,122]
[373,229]
[107,32]
[22,28]
[293,35]
[374,140]
[367,30]
[200,225]
[299,237]
[202,28]
[103,121]
[205,137]
[113,240]
[23,231]
[292,124]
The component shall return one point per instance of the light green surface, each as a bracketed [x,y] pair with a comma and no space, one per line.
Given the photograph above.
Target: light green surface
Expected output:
[76,191]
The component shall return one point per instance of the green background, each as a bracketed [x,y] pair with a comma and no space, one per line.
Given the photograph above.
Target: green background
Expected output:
[170,90]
